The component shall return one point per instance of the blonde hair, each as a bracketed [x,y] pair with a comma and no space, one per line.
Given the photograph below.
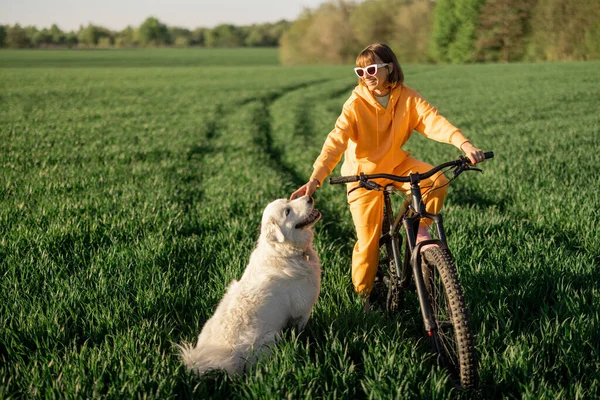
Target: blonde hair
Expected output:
[386,55]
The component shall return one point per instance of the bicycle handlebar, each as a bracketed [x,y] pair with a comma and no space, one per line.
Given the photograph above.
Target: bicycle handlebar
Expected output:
[462,161]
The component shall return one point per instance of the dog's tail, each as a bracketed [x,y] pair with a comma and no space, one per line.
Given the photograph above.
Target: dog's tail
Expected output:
[202,359]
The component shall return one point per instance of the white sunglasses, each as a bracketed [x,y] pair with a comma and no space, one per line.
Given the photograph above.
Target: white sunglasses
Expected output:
[369,69]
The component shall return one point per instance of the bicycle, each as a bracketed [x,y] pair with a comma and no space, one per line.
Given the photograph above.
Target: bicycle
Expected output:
[433,274]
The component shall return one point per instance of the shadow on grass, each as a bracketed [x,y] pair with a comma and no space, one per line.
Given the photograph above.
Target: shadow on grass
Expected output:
[465,195]
[542,304]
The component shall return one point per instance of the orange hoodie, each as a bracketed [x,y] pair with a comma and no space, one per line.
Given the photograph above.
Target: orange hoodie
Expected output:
[372,136]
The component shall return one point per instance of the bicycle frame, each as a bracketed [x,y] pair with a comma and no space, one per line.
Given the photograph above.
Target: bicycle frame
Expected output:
[410,223]
[409,218]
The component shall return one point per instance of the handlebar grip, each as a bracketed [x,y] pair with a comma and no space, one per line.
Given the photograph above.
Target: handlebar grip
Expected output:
[343,179]
[488,154]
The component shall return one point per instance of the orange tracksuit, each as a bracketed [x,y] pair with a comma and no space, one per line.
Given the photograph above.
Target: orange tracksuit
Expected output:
[371,137]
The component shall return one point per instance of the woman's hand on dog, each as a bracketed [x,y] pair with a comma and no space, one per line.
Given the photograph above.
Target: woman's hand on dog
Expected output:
[306,189]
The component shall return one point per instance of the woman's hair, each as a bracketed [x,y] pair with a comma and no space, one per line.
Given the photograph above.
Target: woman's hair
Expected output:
[386,55]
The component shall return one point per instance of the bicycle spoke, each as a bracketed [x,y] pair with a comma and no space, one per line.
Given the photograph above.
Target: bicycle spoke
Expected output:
[442,313]
[449,353]
[445,324]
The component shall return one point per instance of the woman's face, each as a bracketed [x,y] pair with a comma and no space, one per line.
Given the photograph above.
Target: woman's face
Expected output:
[378,83]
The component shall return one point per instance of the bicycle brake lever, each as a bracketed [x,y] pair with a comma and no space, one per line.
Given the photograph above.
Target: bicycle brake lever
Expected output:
[458,171]
[367,184]
[468,168]
[464,168]
[371,185]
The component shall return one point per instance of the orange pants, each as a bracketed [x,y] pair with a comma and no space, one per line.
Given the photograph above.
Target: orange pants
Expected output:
[366,207]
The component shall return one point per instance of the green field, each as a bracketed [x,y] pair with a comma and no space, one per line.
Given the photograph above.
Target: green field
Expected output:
[131,190]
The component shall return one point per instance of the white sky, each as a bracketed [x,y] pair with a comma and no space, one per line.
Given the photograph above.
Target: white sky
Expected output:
[117,14]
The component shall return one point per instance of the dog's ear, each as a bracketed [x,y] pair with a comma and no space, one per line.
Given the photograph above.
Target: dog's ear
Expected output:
[273,231]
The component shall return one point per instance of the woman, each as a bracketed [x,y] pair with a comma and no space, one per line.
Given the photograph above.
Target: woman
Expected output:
[376,121]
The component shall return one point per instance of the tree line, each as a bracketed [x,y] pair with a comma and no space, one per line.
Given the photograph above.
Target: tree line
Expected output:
[419,31]
[151,33]
[447,31]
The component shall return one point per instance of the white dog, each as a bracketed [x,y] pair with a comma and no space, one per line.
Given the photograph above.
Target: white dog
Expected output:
[279,288]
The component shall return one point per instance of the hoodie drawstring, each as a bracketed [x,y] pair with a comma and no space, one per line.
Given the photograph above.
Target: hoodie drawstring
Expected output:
[377,118]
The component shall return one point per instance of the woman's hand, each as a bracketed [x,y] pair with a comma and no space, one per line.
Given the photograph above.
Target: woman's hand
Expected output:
[474,154]
[306,189]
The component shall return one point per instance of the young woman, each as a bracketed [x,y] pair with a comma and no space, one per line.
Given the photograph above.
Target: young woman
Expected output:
[376,121]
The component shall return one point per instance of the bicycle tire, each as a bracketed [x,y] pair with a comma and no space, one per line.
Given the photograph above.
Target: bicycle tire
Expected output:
[453,340]
[394,298]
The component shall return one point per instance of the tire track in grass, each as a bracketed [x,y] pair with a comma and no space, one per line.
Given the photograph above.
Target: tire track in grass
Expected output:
[201,164]
[229,161]
[277,160]
[195,156]
[276,155]
[337,319]
[263,139]
[273,96]
[250,130]
[198,152]
[344,91]
[178,252]
[210,156]
[304,128]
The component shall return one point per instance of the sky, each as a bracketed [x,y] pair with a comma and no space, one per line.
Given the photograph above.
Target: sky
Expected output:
[117,14]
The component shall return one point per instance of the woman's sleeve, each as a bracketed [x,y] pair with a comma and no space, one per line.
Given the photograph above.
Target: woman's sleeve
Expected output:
[335,144]
[428,122]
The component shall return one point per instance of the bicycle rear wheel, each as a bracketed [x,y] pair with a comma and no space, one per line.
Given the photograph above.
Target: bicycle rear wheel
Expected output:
[394,299]
[453,340]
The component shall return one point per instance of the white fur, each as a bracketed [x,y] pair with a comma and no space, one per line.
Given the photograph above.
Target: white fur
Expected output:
[279,288]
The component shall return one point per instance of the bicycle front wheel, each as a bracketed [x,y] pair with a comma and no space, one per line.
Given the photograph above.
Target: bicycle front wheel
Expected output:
[453,339]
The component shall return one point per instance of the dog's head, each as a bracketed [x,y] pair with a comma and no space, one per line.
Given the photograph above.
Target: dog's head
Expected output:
[290,221]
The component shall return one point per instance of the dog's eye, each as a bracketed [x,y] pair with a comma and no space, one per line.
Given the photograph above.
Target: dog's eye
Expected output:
[287,212]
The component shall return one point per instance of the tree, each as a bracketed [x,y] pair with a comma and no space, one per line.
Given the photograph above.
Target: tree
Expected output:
[454,28]
[592,41]
[278,29]
[71,39]
[2,35]
[197,37]
[16,37]
[88,36]
[56,35]
[444,28]
[153,33]
[503,29]
[224,35]
[373,21]
[332,34]
[292,41]
[263,35]
[412,30]
[41,38]
[563,31]
[105,42]
[324,36]
[462,48]
[126,37]
[257,36]
[180,37]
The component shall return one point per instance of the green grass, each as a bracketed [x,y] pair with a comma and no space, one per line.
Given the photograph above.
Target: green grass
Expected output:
[164,57]
[130,197]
